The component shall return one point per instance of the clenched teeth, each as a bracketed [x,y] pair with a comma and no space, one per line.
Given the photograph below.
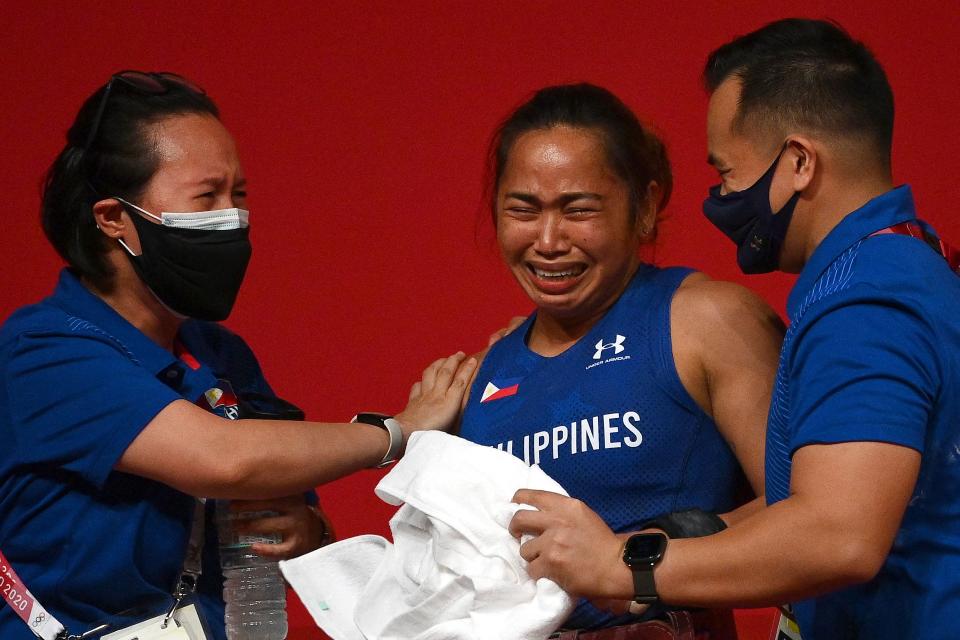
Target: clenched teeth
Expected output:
[569,273]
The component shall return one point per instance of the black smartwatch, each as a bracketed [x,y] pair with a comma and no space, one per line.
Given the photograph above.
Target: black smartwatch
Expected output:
[642,552]
[391,426]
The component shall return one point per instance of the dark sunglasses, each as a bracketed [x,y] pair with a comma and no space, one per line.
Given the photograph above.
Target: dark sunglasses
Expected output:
[146,82]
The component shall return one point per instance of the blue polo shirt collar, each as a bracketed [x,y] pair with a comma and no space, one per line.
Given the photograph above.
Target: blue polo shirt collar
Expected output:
[75,299]
[893,207]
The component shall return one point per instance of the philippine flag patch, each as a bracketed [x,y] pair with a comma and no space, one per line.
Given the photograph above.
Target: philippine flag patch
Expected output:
[221,400]
[497,389]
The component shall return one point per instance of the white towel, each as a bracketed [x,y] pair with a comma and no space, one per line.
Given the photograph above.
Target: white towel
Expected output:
[454,571]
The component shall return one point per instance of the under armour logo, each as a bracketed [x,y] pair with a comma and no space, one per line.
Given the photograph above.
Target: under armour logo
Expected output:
[616,345]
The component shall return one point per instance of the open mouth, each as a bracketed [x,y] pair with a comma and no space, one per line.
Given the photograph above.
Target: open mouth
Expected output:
[557,273]
[556,278]
[568,272]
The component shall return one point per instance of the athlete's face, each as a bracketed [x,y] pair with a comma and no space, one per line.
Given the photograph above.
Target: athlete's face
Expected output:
[564,223]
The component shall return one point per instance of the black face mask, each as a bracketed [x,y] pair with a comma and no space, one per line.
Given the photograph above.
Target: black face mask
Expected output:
[746,218]
[196,273]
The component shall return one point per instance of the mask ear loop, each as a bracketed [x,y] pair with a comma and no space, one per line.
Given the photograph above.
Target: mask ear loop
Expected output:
[124,245]
[141,210]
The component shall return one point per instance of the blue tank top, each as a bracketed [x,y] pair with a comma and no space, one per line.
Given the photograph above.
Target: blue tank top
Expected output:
[608,418]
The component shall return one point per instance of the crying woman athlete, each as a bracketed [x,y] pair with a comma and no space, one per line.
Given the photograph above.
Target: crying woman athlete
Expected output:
[642,390]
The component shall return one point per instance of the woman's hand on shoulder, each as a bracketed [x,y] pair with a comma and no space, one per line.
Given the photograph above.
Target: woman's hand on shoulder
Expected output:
[726,344]
[438,400]
[435,400]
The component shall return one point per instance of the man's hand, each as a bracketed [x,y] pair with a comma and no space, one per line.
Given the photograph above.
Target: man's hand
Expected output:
[302,527]
[573,546]
[435,400]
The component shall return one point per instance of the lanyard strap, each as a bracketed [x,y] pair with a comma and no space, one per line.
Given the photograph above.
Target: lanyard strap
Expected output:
[18,597]
[193,560]
[45,626]
[921,231]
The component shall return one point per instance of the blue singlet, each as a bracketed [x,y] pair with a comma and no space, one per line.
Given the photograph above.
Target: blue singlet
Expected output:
[608,418]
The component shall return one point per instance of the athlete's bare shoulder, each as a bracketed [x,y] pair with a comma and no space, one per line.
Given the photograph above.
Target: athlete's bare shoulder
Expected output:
[726,343]
[716,309]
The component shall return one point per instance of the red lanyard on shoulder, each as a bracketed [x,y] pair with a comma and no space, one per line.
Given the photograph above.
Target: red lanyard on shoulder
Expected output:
[915,229]
[18,597]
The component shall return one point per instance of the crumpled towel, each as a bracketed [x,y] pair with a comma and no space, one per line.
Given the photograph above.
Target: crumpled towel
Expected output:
[454,571]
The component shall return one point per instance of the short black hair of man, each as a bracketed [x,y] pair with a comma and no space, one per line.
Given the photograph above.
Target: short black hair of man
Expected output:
[807,74]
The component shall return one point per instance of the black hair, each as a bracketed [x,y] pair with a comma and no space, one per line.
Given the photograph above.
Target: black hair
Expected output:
[811,74]
[636,154]
[120,161]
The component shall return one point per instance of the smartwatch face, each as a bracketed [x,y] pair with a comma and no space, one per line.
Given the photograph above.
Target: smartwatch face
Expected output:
[644,548]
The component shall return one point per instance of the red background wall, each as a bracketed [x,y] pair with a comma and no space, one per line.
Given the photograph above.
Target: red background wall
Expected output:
[363,128]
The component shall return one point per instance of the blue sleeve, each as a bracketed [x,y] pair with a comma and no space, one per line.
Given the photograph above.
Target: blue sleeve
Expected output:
[863,370]
[77,402]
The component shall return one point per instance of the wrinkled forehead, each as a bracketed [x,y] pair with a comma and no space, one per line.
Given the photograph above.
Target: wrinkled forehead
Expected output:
[557,154]
[196,141]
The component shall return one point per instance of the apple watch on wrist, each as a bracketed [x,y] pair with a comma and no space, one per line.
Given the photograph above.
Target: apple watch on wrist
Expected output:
[391,426]
[642,552]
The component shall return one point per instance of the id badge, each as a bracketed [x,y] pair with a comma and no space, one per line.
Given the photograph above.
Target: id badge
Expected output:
[184,625]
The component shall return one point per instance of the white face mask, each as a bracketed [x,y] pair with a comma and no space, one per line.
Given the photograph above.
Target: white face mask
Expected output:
[217,220]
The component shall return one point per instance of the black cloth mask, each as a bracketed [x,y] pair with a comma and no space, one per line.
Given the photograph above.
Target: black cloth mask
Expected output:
[747,218]
[196,273]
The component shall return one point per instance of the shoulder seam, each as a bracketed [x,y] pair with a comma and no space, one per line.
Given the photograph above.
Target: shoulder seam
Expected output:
[79,324]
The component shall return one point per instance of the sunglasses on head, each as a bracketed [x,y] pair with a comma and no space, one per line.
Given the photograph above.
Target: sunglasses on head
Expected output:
[146,82]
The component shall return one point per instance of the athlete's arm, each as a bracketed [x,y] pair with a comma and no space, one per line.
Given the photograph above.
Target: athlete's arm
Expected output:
[202,454]
[743,511]
[478,358]
[726,344]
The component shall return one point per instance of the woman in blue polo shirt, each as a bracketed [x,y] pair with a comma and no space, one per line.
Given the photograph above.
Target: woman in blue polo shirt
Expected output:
[638,388]
[114,390]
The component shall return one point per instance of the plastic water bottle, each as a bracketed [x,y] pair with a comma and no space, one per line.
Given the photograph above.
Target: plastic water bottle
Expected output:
[253,588]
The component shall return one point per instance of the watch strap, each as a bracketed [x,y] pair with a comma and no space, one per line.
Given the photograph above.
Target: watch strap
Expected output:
[393,429]
[644,588]
[642,562]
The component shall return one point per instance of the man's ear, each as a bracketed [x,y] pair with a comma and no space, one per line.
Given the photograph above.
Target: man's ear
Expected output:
[803,161]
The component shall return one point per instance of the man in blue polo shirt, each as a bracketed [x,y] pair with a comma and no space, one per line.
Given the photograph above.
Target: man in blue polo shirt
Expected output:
[862,524]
